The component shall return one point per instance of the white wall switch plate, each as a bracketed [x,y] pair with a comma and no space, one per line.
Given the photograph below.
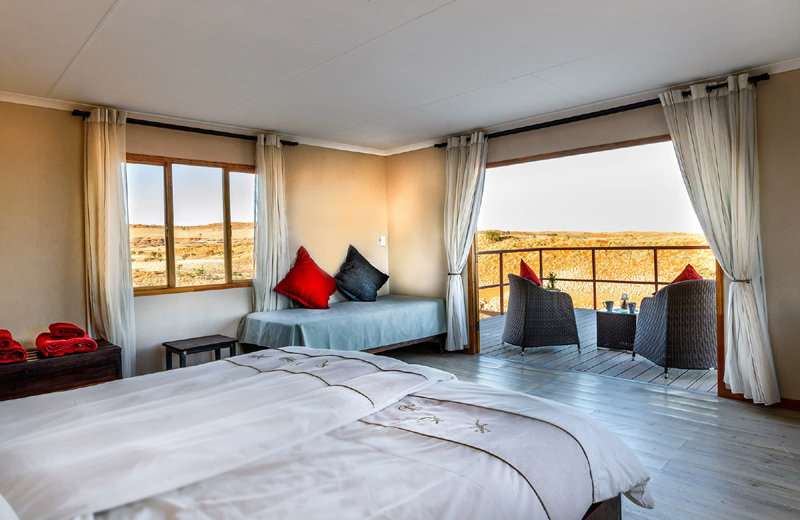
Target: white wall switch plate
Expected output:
[383,241]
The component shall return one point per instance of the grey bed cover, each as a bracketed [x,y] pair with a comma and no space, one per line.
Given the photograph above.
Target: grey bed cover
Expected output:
[347,325]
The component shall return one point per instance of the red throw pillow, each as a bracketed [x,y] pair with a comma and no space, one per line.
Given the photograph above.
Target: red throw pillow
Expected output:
[527,273]
[307,283]
[688,273]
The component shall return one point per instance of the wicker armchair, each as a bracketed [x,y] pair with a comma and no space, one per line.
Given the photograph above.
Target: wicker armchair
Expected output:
[677,328]
[537,317]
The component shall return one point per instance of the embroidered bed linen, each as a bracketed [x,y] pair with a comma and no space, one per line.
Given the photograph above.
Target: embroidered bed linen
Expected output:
[452,450]
[347,325]
[78,452]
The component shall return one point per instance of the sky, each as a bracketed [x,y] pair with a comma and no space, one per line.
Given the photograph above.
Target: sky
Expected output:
[628,189]
[196,195]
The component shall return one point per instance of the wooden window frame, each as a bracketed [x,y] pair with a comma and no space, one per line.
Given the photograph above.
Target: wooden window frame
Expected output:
[169,223]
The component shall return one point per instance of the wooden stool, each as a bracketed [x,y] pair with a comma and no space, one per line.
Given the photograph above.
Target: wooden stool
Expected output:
[185,347]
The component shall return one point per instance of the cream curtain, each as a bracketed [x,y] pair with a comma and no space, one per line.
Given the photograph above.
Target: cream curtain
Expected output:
[108,255]
[465,173]
[272,235]
[714,134]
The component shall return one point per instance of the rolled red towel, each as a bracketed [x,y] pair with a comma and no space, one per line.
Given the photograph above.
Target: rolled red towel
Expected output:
[51,346]
[66,330]
[13,353]
[5,339]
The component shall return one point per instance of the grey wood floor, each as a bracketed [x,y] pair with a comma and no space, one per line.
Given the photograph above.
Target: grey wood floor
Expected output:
[709,457]
[591,359]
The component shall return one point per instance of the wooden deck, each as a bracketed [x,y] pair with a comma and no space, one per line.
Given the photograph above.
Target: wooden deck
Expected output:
[591,359]
[708,457]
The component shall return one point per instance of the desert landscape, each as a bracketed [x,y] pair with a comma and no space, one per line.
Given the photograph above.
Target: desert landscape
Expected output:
[632,266]
[199,254]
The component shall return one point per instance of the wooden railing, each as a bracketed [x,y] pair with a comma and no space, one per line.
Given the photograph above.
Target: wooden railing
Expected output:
[594,280]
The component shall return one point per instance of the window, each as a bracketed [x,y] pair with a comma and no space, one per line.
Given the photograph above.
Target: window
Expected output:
[243,202]
[191,224]
[147,225]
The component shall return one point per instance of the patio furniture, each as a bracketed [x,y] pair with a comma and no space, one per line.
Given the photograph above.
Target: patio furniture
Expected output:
[537,317]
[616,329]
[677,328]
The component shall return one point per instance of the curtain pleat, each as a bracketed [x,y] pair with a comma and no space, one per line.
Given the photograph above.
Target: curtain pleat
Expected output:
[714,134]
[271,234]
[465,174]
[108,256]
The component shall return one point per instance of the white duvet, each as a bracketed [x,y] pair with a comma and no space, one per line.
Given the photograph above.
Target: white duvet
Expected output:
[299,433]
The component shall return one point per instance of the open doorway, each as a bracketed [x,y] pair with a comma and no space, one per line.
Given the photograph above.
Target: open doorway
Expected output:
[606,224]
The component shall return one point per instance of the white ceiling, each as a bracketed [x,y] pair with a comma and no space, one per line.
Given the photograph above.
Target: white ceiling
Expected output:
[379,74]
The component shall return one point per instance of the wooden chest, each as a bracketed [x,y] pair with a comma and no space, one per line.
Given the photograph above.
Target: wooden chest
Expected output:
[41,375]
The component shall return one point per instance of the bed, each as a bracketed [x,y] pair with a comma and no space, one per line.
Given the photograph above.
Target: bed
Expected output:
[390,322]
[300,433]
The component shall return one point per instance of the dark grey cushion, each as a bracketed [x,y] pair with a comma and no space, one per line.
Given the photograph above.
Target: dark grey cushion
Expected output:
[358,279]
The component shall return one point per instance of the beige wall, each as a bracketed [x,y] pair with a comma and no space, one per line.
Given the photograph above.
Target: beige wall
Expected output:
[185,145]
[185,315]
[635,124]
[415,184]
[779,159]
[333,199]
[41,220]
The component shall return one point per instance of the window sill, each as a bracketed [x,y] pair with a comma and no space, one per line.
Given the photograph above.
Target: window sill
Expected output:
[148,291]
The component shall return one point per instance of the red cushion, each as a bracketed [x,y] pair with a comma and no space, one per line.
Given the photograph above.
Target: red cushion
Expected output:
[688,274]
[527,273]
[307,283]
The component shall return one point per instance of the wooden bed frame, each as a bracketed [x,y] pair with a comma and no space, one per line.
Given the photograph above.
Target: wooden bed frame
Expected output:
[610,509]
[440,338]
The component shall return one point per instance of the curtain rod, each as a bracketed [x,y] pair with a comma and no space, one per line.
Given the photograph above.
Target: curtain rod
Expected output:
[601,113]
[182,128]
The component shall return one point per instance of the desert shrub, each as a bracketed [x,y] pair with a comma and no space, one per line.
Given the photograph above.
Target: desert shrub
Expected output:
[493,236]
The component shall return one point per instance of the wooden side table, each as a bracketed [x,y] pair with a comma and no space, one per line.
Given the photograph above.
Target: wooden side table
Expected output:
[616,329]
[185,347]
[42,375]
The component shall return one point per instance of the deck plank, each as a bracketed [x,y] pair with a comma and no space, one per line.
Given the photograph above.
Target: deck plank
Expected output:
[590,358]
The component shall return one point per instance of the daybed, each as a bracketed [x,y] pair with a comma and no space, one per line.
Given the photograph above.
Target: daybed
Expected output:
[390,322]
[299,433]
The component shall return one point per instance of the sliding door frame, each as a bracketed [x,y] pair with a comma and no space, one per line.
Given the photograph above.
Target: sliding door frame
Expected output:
[474,308]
